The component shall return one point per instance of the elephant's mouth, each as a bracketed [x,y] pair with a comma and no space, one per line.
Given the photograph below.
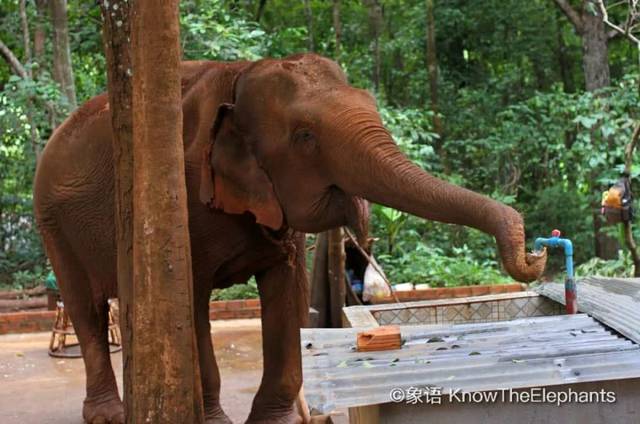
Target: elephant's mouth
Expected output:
[333,208]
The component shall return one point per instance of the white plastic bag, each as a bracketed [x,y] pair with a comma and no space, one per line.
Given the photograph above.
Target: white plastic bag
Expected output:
[374,284]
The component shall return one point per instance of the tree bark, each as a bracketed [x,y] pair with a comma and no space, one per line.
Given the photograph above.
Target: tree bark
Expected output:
[62,69]
[117,51]
[337,28]
[595,52]
[166,380]
[26,37]
[309,15]
[564,61]
[589,24]
[13,61]
[260,11]
[595,64]
[39,34]
[432,71]
[375,30]
[26,42]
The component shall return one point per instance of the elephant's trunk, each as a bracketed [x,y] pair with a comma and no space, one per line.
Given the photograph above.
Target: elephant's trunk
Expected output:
[381,173]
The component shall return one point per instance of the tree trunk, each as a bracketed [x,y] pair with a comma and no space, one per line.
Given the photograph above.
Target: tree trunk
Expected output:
[62,69]
[564,61]
[375,30]
[117,51]
[309,15]
[260,11]
[166,381]
[432,71]
[595,64]
[26,38]
[337,28]
[39,34]
[595,52]
[26,42]
[432,66]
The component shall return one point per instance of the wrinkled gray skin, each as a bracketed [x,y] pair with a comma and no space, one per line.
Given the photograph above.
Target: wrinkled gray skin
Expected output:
[295,148]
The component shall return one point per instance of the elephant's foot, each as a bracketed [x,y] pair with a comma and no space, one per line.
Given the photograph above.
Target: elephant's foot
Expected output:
[282,417]
[216,416]
[103,411]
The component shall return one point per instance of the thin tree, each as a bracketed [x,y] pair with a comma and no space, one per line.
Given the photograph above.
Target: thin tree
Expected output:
[116,35]
[564,60]
[39,33]
[62,68]
[26,42]
[374,8]
[589,25]
[337,28]
[432,67]
[260,11]
[309,15]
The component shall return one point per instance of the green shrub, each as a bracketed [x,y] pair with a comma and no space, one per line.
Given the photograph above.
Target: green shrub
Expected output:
[237,291]
[621,267]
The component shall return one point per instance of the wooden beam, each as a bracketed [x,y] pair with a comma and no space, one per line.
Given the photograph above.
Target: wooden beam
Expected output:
[364,414]
[320,282]
[337,290]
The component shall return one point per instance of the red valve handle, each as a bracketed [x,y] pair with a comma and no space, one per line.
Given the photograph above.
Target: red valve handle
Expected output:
[555,233]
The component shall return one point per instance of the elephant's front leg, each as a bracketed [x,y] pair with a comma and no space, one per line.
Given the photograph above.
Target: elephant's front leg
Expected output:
[285,308]
[209,373]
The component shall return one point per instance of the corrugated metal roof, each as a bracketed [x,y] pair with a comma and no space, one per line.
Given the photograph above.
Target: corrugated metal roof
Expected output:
[614,302]
[530,352]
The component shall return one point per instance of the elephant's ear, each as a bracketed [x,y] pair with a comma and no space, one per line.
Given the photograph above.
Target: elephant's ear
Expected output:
[231,178]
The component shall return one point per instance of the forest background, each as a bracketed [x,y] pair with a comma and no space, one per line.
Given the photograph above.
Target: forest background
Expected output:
[531,102]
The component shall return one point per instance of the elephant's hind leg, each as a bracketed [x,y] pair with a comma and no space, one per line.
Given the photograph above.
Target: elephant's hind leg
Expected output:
[88,313]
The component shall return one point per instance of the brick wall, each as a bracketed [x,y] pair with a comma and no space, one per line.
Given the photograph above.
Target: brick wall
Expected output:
[36,321]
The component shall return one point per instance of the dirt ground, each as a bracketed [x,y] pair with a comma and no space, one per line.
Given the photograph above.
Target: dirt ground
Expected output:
[35,388]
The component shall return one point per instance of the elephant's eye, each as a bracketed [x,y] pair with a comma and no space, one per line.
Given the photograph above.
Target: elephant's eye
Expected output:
[303,136]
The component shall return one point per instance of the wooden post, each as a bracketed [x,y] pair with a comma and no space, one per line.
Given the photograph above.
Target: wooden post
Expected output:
[335,265]
[116,35]
[320,283]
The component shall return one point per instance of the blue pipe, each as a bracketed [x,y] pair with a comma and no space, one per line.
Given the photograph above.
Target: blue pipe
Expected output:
[570,290]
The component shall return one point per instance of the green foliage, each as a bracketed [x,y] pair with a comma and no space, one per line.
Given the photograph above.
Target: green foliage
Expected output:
[430,265]
[237,291]
[210,31]
[517,124]
[621,267]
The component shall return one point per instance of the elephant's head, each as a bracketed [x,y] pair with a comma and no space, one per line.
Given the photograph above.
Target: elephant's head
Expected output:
[299,145]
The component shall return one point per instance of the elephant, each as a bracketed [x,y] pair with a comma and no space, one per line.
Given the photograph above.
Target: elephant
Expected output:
[273,149]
